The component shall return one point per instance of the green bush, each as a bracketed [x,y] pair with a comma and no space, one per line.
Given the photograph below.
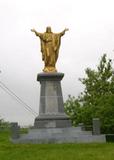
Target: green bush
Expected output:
[97,99]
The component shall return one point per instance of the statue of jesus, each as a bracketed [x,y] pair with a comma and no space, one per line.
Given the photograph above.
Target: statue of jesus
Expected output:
[50,44]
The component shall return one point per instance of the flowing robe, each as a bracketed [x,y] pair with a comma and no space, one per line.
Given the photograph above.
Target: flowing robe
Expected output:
[50,44]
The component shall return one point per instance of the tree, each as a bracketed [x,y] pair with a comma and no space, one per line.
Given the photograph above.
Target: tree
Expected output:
[73,109]
[4,124]
[97,100]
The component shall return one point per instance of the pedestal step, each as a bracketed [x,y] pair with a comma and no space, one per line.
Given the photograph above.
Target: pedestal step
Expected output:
[59,135]
[52,121]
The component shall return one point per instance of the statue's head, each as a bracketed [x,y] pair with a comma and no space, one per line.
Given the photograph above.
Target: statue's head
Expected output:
[48,29]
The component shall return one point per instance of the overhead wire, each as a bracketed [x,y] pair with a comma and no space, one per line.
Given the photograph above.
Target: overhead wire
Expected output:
[19,100]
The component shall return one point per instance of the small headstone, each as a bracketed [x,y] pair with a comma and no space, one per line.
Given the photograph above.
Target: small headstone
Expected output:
[96,126]
[15,130]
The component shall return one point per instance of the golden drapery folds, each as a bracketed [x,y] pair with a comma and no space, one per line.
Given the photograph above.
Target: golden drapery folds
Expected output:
[50,44]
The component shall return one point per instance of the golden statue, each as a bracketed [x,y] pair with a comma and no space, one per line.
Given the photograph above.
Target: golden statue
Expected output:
[50,44]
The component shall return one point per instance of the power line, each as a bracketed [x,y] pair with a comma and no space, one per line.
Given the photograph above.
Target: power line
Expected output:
[12,94]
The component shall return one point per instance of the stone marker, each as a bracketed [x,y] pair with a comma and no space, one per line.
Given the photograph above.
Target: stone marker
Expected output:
[96,126]
[15,130]
[51,107]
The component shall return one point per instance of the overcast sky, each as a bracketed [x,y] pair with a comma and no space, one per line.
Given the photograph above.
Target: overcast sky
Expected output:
[91,34]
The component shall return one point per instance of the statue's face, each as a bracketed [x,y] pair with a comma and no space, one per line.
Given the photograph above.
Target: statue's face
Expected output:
[48,29]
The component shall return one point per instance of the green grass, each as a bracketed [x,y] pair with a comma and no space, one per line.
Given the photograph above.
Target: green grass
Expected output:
[9,151]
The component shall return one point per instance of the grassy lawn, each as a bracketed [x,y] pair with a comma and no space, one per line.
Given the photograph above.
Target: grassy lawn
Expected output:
[9,151]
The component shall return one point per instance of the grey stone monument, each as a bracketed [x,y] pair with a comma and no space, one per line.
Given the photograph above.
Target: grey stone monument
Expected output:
[15,130]
[52,125]
[96,126]
[51,107]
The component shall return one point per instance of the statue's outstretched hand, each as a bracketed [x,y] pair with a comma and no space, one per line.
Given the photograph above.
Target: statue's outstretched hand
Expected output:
[66,29]
[33,30]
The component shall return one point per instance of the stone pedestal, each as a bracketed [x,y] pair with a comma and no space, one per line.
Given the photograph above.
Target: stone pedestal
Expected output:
[51,107]
[52,124]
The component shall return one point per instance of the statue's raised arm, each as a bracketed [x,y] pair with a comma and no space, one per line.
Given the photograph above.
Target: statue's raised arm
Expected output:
[63,32]
[37,33]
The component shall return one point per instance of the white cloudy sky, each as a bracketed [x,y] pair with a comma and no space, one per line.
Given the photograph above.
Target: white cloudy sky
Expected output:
[91,33]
